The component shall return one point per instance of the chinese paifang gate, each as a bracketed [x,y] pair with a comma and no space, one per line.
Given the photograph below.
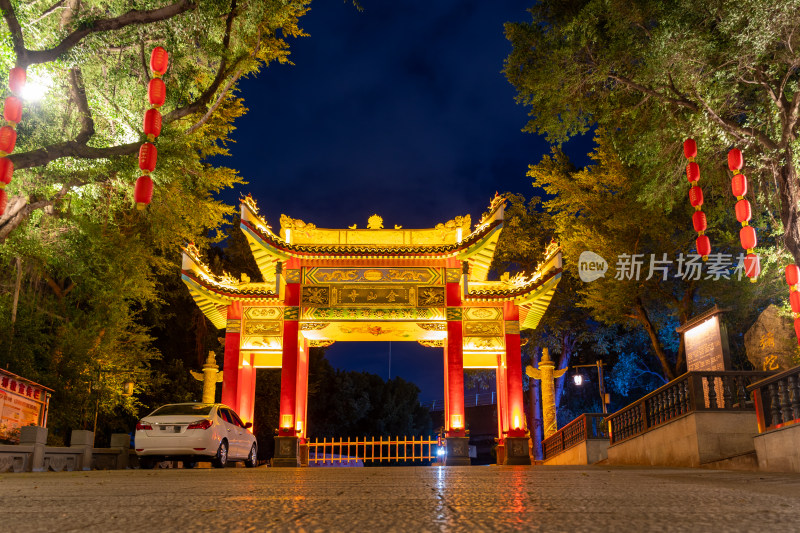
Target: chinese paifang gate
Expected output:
[326,285]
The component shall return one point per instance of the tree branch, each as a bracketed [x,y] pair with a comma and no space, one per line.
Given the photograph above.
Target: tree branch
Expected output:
[135,16]
[16,30]
[78,94]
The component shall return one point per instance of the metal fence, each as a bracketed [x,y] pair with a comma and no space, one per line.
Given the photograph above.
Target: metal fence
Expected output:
[693,391]
[371,449]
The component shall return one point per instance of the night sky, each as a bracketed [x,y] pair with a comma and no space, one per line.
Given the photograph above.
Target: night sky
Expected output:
[400,110]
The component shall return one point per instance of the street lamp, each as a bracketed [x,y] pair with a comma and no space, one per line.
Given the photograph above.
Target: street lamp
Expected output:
[578,380]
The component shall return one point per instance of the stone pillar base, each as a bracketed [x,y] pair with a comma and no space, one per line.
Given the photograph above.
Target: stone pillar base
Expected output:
[457,451]
[285,452]
[303,454]
[500,449]
[517,451]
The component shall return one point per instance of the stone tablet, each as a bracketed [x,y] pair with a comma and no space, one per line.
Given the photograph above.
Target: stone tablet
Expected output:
[770,343]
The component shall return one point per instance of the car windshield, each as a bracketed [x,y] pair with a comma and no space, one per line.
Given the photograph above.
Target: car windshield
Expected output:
[200,409]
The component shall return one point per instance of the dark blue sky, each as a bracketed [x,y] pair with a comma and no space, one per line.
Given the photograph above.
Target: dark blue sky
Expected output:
[400,110]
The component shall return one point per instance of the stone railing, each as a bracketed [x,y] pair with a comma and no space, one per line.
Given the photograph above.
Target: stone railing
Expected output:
[33,455]
[693,391]
[585,427]
[777,399]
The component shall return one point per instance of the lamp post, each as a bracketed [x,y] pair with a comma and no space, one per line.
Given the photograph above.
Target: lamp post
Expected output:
[578,380]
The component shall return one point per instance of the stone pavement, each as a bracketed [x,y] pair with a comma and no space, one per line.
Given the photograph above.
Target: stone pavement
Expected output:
[477,498]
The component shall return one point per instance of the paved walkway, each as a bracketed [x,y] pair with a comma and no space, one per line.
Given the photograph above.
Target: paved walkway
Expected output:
[488,498]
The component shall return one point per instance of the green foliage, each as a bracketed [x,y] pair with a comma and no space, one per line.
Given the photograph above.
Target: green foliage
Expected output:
[88,282]
[652,73]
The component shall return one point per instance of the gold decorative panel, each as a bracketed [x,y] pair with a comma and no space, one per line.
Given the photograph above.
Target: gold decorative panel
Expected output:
[319,275]
[430,297]
[316,296]
[483,344]
[453,275]
[433,326]
[433,344]
[482,313]
[313,326]
[292,275]
[512,327]
[372,295]
[483,329]
[263,313]
[233,326]
[263,327]
[373,313]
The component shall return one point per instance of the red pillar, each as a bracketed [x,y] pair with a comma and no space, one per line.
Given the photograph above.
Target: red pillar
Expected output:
[301,396]
[502,398]
[288,407]
[246,406]
[455,422]
[230,378]
[516,402]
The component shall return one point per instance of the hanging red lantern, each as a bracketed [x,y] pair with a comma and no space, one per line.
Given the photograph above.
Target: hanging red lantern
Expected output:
[3,201]
[148,154]
[159,60]
[794,300]
[747,236]
[16,79]
[696,196]
[8,140]
[692,172]
[797,328]
[792,274]
[12,109]
[735,159]
[743,211]
[157,92]
[143,193]
[699,221]
[752,266]
[6,170]
[689,148]
[152,123]
[703,245]
[739,185]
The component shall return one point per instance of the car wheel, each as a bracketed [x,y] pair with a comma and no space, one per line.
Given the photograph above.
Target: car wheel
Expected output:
[252,459]
[221,459]
[148,462]
[189,464]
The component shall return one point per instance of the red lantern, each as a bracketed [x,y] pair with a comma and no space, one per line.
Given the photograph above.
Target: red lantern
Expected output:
[8,139]
[6,170]
[703,245]
[12,109]
[699,221]
[16,79]
[696,196]
[735,159]
[152,123]
[743,211]
[792,274]
[692,172]
[794,299]
[739,185]
[3,201]
[752,266]
[143,192]
[747,236]
[797,328]
[147,157]
[157,92]
[159,60]
[689,148]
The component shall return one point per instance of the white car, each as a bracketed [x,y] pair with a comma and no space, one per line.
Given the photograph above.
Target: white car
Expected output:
[192,432]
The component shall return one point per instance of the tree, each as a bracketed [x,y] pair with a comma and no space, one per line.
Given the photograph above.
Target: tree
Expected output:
[83,273]
[654,72]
